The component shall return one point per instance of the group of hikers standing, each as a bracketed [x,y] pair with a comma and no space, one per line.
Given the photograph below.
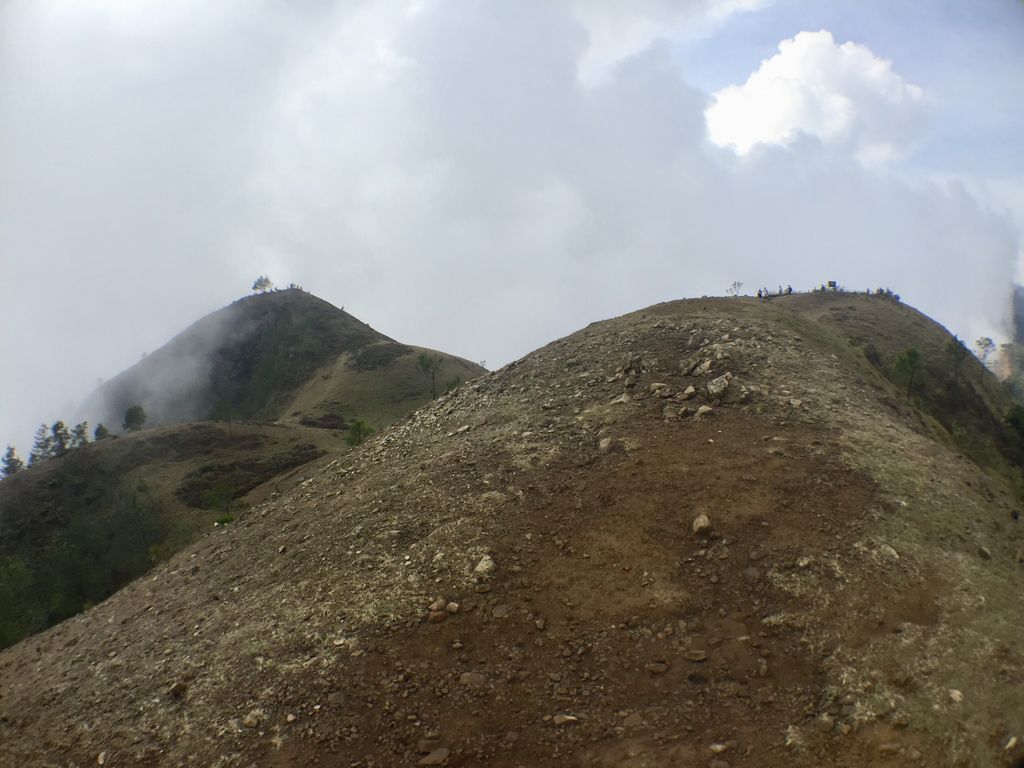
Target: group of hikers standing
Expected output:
[764,293]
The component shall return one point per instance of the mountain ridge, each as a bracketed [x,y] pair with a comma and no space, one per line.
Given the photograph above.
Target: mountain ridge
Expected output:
[710,530]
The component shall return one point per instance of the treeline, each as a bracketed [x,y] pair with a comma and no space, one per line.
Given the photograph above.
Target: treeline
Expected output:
[57,440]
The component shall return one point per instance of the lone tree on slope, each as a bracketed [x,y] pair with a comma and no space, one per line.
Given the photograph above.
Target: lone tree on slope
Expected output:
[262,284]
[134,418]
[908,367]
[429,365]
[985,347]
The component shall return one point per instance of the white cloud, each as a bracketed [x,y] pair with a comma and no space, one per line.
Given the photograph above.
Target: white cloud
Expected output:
[440,169]
[842,95]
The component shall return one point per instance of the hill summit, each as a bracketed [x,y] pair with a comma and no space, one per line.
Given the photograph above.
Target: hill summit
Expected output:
[716,532]
[265,358]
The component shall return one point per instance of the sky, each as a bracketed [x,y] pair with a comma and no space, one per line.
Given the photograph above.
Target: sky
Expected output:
[484,178]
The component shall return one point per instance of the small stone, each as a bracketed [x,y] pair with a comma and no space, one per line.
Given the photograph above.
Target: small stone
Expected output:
[282,549]
[290,718]
[1010,744]
[718,748]
[633,721]
[796,403]
[438,605]
[178,690]
[462,430]
[436,617]
[804,562]
[688,393]
[606,445]
[101,758]
[717,387]
[696,655]
[702,525]
[955,696]
[825,722]
[501,611]
[437,757]
[888,748]
[486,565]
[985,552]
[704,410]
[472,679]
[452,608]
[564,720]
[657,667]
[252,719]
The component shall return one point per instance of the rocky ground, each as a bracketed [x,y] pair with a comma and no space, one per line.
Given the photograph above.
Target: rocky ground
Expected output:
[694,535]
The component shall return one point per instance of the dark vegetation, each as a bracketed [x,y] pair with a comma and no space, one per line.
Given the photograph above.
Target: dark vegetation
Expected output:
[76,528]
[358,431]
[216,484]
[72,545]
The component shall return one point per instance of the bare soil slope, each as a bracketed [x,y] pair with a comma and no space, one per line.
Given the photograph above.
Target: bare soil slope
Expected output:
[512,577]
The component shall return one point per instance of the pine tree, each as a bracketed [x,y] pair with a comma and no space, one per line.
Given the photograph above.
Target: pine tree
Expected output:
[61,439]
[100,433]
[42,446]
[80,435]
[10,464]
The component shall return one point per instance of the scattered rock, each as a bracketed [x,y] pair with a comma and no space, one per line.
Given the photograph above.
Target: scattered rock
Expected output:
[452,608]
[472,679]
[657,667]
[253,718]
[702,525]
[704,410]
[696,655]
[486,565]
[501,611]
[718,386]
[436,617]
[177,690]
[438,605]
[564,720]
[688,393]
[985,552]
[606,445]
[955,696]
